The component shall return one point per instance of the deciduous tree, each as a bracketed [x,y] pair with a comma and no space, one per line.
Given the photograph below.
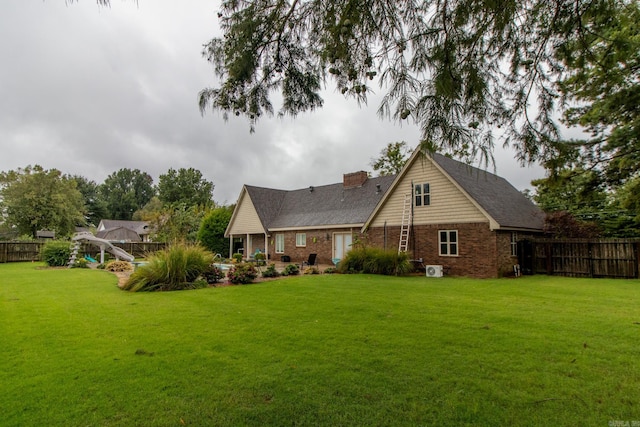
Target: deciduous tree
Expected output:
[185,186]
[212,228]
[392,159]
[126,191]
[460,69]
[33,199]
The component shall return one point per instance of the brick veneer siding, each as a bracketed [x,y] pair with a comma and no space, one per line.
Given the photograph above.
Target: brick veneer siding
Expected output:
[482,253]
[319,241]
[477,247]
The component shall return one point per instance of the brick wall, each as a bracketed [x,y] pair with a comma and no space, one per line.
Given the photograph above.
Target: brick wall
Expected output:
[319,241]
[477,247]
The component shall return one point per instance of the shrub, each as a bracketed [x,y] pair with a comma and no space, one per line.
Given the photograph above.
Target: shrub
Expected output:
[330,270]
[118,266]
[260,258]
[375,261]
[270,271]
[241,274]
[311,270]
[176,268]
[237,257]
[80,263]
[212,274]
[56,253]
[290,270]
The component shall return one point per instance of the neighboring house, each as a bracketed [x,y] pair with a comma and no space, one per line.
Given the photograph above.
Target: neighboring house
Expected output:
[45,234]
[463,218]
[121,230]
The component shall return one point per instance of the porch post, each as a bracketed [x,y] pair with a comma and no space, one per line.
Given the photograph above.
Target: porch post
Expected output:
[248,249]
[230,246]
[266,248]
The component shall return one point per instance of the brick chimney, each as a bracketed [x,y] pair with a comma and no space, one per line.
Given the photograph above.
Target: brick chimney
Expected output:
[354,179]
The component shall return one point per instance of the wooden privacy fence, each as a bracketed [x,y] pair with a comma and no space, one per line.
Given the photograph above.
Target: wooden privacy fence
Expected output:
[30,251]
[616,258]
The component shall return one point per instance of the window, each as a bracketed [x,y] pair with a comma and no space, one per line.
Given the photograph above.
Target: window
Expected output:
[422,195]
[301,239]
[279,243]
[448,241]
[514,244]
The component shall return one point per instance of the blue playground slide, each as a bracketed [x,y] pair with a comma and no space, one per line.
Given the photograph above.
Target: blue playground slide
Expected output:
[88,258]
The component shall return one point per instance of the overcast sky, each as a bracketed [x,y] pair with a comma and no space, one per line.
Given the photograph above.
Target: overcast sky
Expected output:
[90,90]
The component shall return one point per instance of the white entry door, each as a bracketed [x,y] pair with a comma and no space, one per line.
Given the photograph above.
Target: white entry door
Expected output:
[341,244]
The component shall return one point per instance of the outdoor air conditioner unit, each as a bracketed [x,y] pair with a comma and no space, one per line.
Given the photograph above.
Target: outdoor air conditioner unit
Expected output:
[434,270]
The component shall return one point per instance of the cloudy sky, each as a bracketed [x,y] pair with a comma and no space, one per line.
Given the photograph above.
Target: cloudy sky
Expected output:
[90,90]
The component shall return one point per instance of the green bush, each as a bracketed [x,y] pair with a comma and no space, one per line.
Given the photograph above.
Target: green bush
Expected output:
[56,253]
[241,274]
[176,268]
[290,270]
[80,263]
[270,271]
[375,261]
[311,270]
[213,274]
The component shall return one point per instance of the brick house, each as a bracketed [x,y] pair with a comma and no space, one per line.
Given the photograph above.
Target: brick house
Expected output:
[463,218]
[293,224]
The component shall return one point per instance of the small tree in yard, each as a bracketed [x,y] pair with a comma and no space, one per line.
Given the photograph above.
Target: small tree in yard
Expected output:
[212,228]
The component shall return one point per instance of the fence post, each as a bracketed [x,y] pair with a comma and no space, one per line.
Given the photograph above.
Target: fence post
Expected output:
[636,252]
[548,251]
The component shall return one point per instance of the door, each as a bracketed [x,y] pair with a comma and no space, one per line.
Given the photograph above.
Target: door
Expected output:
[341,244]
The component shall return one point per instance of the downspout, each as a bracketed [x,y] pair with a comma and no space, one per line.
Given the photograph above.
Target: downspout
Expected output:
[384,240]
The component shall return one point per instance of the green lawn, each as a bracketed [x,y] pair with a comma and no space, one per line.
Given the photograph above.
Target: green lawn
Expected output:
[318,350]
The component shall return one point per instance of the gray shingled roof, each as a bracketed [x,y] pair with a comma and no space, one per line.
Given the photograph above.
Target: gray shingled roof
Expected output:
[325,205]
[140,227]
[509,207]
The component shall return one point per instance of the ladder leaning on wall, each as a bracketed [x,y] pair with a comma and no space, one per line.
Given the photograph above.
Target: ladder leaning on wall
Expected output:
[407,212]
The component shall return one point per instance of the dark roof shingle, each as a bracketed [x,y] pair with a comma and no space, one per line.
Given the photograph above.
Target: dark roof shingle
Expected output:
[502,201]
[318,206]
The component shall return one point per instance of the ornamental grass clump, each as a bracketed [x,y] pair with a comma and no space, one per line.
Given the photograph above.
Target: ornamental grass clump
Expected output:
[375,261]
[179,267]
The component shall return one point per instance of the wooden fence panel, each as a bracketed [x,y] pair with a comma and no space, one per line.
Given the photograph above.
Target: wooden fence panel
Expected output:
[617,258]
[19,251]
[30,251]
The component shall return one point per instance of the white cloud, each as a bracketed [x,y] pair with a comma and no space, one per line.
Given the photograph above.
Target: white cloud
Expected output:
[90,90]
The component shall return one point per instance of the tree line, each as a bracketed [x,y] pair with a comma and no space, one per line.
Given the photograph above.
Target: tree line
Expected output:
[179,207]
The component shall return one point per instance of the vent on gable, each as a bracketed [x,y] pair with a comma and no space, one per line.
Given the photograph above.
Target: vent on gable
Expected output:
[354,179]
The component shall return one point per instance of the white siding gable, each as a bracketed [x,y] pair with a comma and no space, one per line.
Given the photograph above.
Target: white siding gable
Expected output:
[245,219]
[448,204]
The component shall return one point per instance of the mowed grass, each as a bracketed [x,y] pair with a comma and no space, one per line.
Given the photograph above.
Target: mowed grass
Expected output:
[318,350]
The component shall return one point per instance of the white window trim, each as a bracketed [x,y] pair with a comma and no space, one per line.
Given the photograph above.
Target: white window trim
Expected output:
[279,250]
[448,243]
[422,194]
[514,244]
[301,240]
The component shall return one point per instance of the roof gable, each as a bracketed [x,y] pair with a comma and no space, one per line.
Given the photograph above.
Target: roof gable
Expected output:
[466,193]
[322,206]
[140,227]
[495,195]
